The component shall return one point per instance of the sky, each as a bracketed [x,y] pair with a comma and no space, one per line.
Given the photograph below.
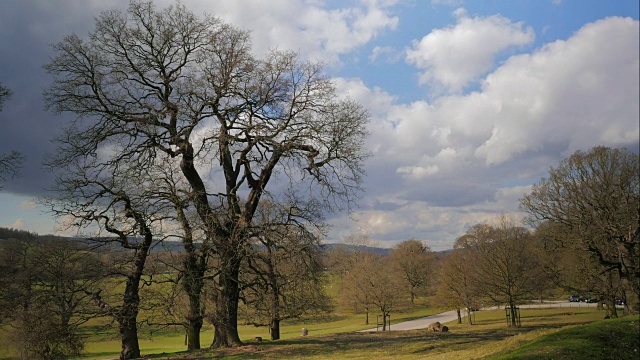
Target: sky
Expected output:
[471,102]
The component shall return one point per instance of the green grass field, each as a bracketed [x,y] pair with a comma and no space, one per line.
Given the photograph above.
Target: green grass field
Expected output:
[566,333]
[486,340]
[172,340]
[591,341]
[103,342]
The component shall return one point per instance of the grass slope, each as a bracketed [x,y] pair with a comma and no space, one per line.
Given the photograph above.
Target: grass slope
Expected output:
[568,333]
[615,339]
[489,337]
[106,344]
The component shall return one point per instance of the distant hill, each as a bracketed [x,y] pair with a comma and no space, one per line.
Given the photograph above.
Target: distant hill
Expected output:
[176,246]
[352,248]
[373,249]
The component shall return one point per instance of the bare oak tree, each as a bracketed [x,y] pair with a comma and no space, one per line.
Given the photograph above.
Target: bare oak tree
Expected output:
[283,279]
[119,203]
[577,271]
[594,197]
[505,265]
[372,284]
[165,81]
[456,287]
[414,263]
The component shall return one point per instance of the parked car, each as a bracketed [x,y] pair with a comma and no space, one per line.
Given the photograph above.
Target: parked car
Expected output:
[591,300]
[574,298]
[619,302]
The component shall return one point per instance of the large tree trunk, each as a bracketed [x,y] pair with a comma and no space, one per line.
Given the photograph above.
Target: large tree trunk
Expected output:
[384,322]
[129,337]
[226,312]
[366,316]
[459,316]
[194,320]
[274,326]
[193,330]
[512,310]
[127,319]
[610,303]
[193,284]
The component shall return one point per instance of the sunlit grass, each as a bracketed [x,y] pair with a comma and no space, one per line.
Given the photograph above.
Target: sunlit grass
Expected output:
[107,345]
[491,336]
[609,339]
[336,337]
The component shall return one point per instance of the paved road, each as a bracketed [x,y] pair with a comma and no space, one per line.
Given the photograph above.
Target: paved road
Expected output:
[448,316]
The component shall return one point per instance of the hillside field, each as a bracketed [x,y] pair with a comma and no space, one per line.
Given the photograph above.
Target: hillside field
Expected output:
[544,332]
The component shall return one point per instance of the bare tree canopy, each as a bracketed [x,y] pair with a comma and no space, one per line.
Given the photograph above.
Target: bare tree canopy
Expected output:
[283,277]
[150,82]
[414,263]
[5,93]
[456,286]
[505,265]
[9,163]
[593,200]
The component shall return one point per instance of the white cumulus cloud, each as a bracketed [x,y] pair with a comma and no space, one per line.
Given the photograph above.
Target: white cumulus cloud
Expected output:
[306,26]
[576,93]
[461,159]
[454,56]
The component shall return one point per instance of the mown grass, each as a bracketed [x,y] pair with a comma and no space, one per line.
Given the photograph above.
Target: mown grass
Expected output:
[616,339]
[106,344]
[103,341]
[545,333]
[489,337]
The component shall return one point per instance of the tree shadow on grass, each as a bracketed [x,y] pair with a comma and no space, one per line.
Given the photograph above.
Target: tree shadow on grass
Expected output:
[387,343]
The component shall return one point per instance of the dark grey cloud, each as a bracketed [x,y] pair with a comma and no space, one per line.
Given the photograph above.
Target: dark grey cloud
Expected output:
[451,193]
[27,29]
[385,205]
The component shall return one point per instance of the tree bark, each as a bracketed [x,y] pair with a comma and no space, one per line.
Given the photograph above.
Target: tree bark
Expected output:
[275,306]
[384,321]
[193,284]
[512,310]
[226,312]
[193,331]
[128,317]
[274,327]
[459,316]
[128,328]
[610,303]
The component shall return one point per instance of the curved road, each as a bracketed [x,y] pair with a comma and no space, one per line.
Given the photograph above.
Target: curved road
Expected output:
[448,316]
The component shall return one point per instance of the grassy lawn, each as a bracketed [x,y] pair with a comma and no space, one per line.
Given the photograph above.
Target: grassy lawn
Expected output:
[488,338]
[591,341]
[106,344]
[567,333]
